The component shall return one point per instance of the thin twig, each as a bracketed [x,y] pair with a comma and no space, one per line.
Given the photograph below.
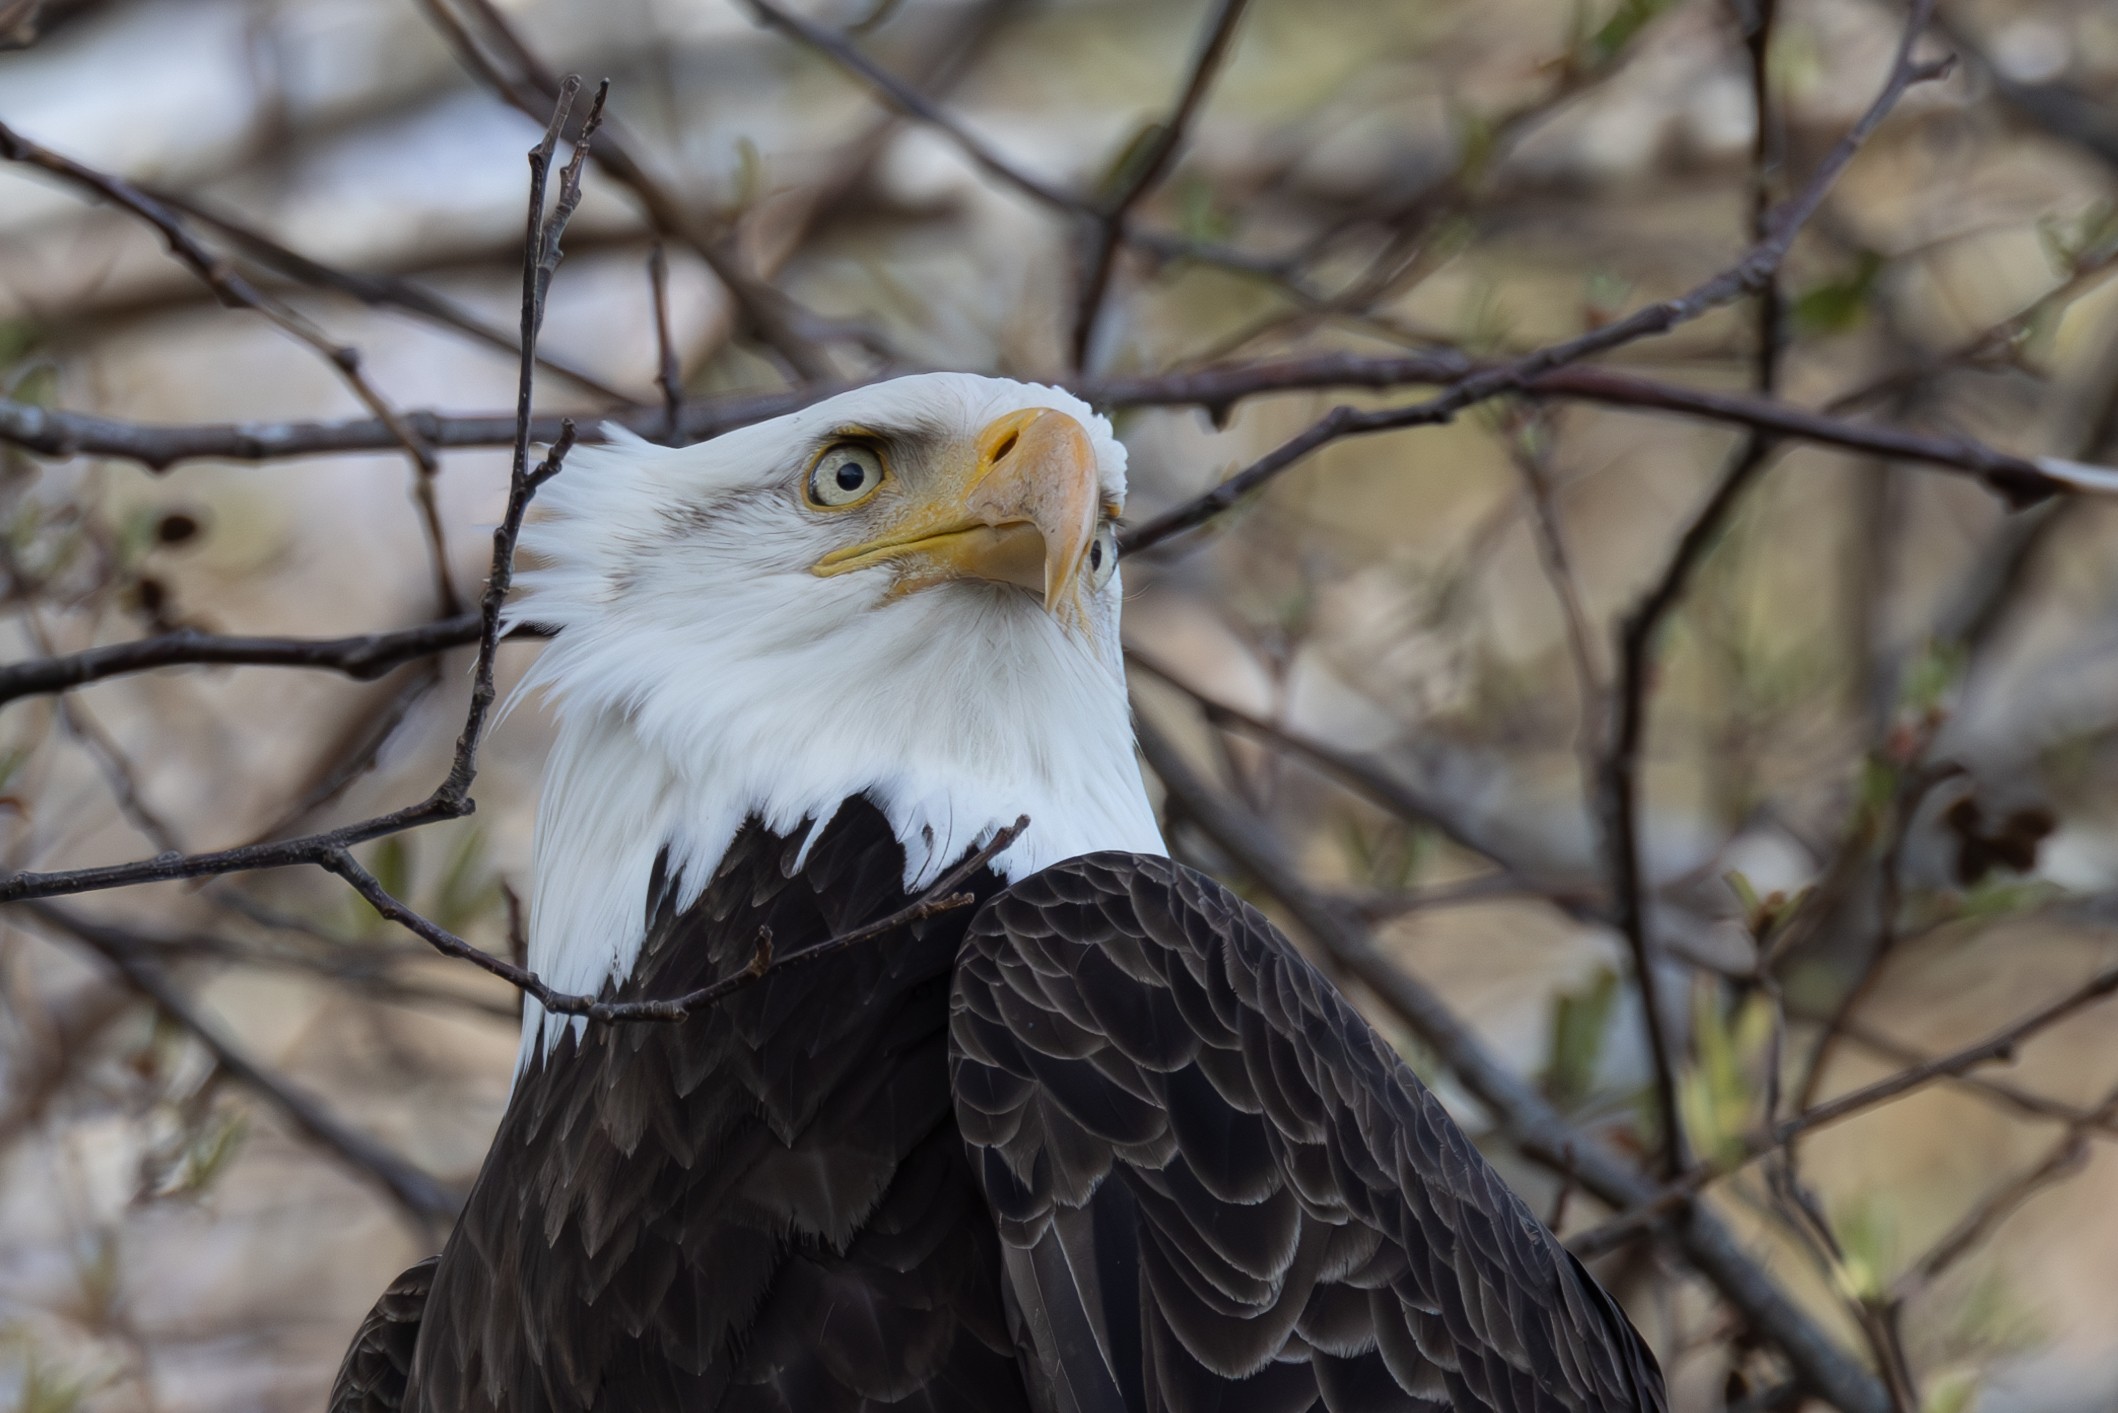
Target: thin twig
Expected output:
[668,377]
[1531,450]
[375,291]
[1528,1118]
[417,1192]
[2061,1160]
[236,291]
[1149,167]
[940,898]
[363,657]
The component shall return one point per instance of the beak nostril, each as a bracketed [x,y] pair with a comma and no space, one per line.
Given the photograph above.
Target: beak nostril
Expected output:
[1000,452]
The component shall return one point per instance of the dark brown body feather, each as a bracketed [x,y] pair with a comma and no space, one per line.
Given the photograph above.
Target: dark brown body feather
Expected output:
[1218,1189]
[1144,1159]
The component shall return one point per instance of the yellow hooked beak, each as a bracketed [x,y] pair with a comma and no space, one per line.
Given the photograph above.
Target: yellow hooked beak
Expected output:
[1021,507]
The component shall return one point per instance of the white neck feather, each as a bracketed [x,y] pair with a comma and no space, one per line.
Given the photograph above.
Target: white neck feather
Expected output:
[687,706]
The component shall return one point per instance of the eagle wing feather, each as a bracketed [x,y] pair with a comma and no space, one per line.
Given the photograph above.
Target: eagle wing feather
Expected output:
[1219,1191]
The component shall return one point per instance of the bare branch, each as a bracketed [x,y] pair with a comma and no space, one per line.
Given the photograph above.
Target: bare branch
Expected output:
[914,104]
[1149,167]
[419,1194]
[363,657]
[769,315]
[376,291]
[1516,1106]
[668,376]
[236,291]
[941,897]
[1753,272]
[1217,390]
[2061,1160]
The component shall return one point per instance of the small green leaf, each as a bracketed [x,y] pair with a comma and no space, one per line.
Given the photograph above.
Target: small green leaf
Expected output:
[1931,676]
[1620,30]
[45,1391]
[1867,1235]
[1719,1093]
[1200,214]
[17,338]
[202,1157]
[1580,1025]
[467,887]
[392,865]
[1950,1391]
[1837,305]
[1130,160]
[749,174]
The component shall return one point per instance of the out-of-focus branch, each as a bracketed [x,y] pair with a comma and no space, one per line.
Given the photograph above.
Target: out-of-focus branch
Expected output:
[2062,1160]
[915,105]
[1530,446]
[2061,111]
[1516,1106]
[451,799]
[770,316]
[134,958]
[363,656]
[375,291]
[1217,390]
[1147,169]
[669,376]
[1997,1047]
[237,292]
[39,1070]
[1753,272]
[1365,778]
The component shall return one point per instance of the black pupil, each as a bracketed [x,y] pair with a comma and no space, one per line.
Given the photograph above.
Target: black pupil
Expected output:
[851,474]
[1095,555]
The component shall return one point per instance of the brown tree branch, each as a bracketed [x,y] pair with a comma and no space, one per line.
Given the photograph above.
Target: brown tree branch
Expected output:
[1149,167]
[238,292]
[770,316]
[1753,272]
[375,291]
[1516,1106]
[419,1194]
[1217,390]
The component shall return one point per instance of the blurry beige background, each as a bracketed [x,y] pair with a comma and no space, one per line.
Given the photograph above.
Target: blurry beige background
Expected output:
[168,1242]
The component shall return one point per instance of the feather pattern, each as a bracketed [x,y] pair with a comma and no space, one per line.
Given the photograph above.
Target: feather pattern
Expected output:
[1219,1191]
[766,1208]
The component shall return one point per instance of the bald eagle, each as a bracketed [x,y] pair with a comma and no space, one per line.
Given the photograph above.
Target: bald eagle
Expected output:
[1101,1143]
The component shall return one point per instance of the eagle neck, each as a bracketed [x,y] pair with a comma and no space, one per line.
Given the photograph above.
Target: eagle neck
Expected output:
[633,790]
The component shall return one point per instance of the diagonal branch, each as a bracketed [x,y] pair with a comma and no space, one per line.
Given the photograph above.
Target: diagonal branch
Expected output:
[1148,169]
[1516,1106]
[770,316]
[1752,273]
[133,958]
[375,291]
[942,897]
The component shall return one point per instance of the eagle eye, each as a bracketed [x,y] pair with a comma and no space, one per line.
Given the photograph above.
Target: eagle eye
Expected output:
[846,474]
[1102,555]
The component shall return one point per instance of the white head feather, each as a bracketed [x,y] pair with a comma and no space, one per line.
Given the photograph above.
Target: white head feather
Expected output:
[703,675]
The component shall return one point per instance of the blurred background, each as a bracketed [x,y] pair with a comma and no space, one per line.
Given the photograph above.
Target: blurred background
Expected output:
[1883,732]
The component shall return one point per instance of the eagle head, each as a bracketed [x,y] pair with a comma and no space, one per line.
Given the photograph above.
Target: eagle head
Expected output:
[908,592]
